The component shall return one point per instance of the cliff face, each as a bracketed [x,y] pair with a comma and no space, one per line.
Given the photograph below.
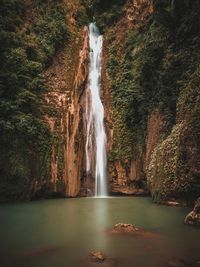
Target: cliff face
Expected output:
[66,79]
[30,32]
[126,162]
[152,130]
[151,146]
[173,170]
[45,68]
[150,91]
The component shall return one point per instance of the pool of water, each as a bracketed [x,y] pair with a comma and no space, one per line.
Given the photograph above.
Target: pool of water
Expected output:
[61,233]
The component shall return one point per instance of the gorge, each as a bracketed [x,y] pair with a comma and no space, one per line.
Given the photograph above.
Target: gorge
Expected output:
[151,104]
[100,123]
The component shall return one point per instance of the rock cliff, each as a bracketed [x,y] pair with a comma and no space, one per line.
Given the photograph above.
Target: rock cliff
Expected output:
[150,91]
[153,137]
[66,79]
[125,169]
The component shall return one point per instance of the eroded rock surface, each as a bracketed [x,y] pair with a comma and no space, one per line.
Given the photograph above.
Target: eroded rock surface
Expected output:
[66,79]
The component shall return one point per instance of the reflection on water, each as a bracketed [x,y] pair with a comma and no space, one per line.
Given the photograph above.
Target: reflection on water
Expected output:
[101,220]
[60,233]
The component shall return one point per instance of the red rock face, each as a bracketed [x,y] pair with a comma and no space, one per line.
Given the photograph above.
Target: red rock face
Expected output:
[66,79]
[74,147]
[138,11]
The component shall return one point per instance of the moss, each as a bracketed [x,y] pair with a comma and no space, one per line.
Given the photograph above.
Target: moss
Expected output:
[122,143]
[25,137]
[162,171]
[58,143]
[155,67]
[61,186]
[107,13]
[188,106]
[48,31]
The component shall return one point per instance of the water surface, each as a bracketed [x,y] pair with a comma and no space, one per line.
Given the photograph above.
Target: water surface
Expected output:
[60,233]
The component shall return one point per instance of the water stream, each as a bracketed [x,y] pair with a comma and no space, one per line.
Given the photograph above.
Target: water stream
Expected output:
[96,137]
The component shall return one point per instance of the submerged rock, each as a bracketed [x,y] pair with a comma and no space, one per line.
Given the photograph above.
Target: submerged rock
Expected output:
[125,228]
[97,256]
[130,229]
[172,203]
[193,218]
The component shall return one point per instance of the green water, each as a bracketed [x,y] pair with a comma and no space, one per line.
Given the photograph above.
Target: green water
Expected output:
[60,233]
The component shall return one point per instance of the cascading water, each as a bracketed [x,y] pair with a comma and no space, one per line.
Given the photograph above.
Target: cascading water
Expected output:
[96,137]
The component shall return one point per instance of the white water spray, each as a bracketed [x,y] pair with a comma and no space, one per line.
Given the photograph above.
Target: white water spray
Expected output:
[96,137]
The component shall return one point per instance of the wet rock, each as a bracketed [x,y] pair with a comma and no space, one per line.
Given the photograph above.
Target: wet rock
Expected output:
[121,228]
[172,203]
[128,191]
[97,256]
[193,218]
[130,229]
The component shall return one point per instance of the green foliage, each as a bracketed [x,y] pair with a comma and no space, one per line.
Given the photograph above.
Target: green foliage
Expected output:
[122,148]
[152,69]
[167,173]
[106,13]
[188,106]
[25,50]
[58,143]
[50,32]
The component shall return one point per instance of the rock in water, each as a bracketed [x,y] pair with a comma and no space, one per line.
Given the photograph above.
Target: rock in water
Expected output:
[130,229]
[97,256]
[124,228]
[193,218]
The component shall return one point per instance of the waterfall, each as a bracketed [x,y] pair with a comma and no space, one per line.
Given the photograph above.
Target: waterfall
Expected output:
[95,136]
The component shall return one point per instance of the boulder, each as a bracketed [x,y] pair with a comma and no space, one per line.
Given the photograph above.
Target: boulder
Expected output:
[193,218]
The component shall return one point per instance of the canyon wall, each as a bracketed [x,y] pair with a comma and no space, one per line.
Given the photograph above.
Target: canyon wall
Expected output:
[153,137]
[150,91]
[67,79]
[151,146]
[45,63]
[126,163]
